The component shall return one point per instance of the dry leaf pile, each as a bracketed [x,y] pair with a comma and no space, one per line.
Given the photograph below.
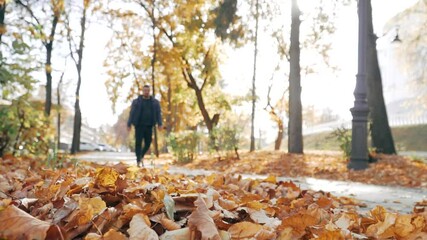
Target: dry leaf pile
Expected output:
[390,170]
[121,202]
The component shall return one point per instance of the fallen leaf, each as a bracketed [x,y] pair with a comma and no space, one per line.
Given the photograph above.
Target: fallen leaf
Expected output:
[106,177]
[261,217]
[244,230]
[169,206]
[271,179]
[17,224]
[140,230]
[201,220]
[346,221]
[227,204]
[93,205]
[169,224]
[180,234]
[382,229]
[328,235]
[69,206]
[403,226]
[26,202]
[299,222]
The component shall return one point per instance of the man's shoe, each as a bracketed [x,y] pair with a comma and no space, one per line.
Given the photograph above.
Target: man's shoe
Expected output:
[140,164]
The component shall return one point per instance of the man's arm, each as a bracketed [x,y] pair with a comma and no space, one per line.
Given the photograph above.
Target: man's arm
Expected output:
[131,114]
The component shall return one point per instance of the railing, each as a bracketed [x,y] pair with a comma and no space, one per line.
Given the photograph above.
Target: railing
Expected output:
[395,121]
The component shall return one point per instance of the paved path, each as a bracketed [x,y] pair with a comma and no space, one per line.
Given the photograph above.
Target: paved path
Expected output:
[398,199]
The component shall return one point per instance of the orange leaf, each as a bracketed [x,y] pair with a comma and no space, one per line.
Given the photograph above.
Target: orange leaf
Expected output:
[299,223]
[169,224]
[248,230]
[327,235]
[112,234]
[17,224]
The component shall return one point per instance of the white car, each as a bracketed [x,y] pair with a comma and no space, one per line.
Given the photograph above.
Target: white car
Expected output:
[106,147]
[85,146]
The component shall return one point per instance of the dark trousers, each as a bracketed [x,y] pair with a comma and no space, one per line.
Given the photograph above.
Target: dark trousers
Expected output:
[142,132]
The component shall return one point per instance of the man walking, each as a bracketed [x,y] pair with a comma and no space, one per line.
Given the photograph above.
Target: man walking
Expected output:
[145,113]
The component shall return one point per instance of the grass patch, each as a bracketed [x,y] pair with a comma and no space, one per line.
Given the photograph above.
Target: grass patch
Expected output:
[407,138]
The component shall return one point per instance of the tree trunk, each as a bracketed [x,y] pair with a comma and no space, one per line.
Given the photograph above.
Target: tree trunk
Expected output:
[75,146]
[252,146]
[382,139]
[169,115]
[77,113]
[21,118]
[201,103]
[2,14]
[295,142]
[58,96]
[279,138]
[48,66]
[153,68]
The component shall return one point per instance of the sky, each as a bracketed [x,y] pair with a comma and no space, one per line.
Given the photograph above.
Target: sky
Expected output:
[328,90]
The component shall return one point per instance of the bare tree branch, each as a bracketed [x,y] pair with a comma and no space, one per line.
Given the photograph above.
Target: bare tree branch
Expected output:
[30,11]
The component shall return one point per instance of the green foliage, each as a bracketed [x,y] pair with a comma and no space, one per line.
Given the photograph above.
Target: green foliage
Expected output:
[226,21]
[24,128]
[343,135]
[227,138]
[184,145]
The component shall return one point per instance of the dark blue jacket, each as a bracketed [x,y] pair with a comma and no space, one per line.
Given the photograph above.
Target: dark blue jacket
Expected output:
[135,112]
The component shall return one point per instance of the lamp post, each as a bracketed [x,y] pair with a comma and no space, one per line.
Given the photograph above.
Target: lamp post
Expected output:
[359,144]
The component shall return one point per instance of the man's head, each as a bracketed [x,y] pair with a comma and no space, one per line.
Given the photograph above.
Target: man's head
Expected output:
[146,91]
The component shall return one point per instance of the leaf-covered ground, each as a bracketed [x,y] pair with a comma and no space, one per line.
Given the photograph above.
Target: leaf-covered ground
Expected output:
[388,170]
[92,201]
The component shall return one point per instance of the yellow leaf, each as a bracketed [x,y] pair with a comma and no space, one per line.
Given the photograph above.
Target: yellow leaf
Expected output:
[403,226]
[285,234]
[271,179]
[106,177]
[215,180]
[89,207]
[132,171]
[419,222]
[378,213]
[255,205]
